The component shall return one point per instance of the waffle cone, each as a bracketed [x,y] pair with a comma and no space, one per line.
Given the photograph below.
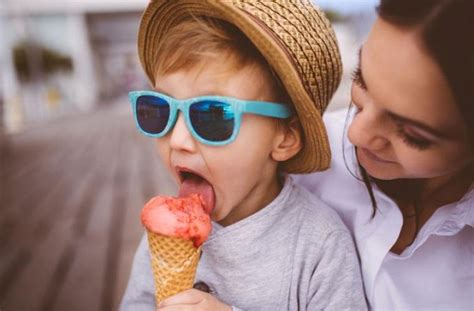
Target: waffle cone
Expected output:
[174,262]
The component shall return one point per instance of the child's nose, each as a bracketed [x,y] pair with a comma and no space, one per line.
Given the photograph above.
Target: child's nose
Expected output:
[181,138]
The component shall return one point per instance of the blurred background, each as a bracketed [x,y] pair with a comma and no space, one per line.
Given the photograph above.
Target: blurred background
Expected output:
[74,173]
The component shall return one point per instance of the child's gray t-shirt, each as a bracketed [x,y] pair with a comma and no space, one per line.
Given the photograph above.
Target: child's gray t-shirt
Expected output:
[294,254]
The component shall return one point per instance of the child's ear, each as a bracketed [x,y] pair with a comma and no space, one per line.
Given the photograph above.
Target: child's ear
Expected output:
[288,142]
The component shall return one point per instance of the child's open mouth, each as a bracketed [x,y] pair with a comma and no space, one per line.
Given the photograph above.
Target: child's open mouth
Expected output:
[191,182]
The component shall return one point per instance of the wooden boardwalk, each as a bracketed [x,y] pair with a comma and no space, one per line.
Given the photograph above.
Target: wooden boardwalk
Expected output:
[71,194]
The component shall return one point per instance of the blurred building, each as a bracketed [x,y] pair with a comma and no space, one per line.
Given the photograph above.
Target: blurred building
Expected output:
[59,57]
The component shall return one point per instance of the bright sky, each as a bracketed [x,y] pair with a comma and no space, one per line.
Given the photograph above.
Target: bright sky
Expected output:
[346,6]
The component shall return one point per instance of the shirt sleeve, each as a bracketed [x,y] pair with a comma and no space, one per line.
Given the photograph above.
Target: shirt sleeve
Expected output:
[336,283]
[139,295]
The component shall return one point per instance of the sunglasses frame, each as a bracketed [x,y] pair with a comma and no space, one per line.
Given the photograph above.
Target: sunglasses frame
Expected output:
[239,106]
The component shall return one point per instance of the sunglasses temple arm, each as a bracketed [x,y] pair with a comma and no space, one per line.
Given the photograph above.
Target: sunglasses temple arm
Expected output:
[267,109]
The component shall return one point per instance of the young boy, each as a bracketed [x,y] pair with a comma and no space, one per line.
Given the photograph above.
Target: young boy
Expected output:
[240,87]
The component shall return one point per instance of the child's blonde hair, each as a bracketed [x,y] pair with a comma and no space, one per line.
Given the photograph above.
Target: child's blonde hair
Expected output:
[294,37]
[199,38]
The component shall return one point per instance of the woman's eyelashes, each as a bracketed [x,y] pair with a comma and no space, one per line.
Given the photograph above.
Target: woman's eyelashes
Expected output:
[417,142]
[358,79]
[412,140]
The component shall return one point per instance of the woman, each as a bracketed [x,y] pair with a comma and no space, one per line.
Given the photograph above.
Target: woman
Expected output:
[402,169]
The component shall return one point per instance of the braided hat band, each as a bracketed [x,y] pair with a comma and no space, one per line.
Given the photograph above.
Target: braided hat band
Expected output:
[295,38]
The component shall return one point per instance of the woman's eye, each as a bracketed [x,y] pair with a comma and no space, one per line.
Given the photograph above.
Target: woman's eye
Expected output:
[356,77]
[413,141]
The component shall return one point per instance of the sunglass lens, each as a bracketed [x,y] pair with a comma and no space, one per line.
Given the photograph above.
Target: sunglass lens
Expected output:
[212,120]
[152,114]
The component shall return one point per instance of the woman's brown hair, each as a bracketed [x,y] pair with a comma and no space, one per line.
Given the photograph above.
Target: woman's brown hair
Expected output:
[445,28]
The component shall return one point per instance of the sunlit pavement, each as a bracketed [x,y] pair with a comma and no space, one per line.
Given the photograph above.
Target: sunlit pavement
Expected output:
[72,191]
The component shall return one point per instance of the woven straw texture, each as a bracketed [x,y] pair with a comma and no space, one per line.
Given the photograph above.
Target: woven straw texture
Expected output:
[174,262]
[296,39]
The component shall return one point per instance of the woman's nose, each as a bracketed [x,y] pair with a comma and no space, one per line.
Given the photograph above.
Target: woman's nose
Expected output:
[180,136]
[367,130]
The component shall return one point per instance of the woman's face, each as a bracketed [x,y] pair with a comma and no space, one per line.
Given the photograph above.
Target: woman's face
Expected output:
[406,124]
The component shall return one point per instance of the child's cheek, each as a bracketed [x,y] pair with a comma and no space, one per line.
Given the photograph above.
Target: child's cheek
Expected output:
[163,150]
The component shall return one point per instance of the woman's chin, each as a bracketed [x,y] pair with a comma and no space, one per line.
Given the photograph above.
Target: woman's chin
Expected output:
[383,175]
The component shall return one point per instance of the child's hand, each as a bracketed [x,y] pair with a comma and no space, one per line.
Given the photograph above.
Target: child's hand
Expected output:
[193,299]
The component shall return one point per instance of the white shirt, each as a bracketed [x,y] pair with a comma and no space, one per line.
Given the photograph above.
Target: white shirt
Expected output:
[435,272]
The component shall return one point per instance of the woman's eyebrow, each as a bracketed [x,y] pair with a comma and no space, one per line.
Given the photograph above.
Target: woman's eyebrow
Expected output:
[358,78]
[418,124]
[357,74]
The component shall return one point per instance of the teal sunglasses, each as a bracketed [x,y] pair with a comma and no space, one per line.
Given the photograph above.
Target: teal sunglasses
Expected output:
[212,120]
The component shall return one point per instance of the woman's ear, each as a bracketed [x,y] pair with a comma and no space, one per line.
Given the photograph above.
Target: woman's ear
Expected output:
[289,140]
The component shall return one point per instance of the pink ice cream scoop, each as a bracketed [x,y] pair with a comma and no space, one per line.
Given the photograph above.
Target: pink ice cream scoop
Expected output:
[184,218]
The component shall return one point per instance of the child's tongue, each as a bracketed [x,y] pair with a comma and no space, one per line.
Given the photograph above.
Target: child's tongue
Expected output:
[195,184]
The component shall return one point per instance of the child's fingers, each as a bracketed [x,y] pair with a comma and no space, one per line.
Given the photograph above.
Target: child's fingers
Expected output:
[188,297]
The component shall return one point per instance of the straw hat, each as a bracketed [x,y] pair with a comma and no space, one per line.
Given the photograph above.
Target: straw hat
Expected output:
[295,38]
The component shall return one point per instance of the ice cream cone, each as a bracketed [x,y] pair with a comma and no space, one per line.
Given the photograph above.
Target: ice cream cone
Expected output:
[174,262]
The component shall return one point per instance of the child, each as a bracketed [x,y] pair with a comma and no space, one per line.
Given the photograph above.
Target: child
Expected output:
[240,89]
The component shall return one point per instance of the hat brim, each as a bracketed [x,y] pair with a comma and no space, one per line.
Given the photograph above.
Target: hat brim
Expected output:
[161,15]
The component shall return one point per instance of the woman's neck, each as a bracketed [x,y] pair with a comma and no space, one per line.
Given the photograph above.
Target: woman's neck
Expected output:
[419,199]
[436,191]
[447,189]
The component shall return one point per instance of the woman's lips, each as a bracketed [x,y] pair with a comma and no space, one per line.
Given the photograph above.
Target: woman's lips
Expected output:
[372,156]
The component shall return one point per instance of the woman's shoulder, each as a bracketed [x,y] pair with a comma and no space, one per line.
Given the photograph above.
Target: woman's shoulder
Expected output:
[340,186]
[316,215]
[342,173]
[335,122]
